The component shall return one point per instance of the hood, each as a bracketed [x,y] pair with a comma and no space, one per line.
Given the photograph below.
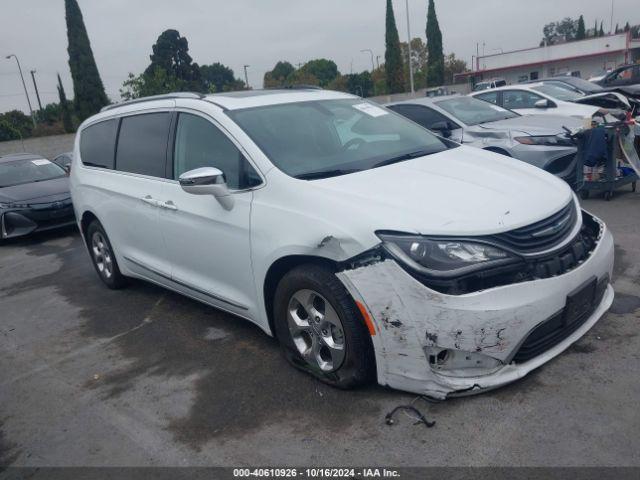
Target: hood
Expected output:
[461,191]
[37,192]
[532,124]
[605,100]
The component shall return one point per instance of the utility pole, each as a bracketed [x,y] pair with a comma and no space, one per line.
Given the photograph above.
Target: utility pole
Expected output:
[373,67]
[246,77]
[33,118]
[409,49]
[35,85]
[611,27]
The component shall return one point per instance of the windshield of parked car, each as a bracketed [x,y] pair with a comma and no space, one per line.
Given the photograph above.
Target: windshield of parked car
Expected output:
[472,111]
[324,138]
[558,93]
[17,172]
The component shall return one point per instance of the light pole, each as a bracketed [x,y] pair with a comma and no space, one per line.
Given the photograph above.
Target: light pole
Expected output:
[35,85]
[246,77]
[33,118]
[409,48]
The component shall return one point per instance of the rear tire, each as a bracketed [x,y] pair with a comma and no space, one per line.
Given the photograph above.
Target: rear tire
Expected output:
[103,257]
[320,328]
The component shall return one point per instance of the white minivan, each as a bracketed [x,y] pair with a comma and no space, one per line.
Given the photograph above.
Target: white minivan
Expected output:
[368,246]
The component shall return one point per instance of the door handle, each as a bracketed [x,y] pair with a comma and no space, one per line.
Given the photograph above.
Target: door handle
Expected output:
[169,205]
[148,199]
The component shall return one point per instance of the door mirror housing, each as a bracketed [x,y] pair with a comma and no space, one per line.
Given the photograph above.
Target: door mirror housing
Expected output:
[444,128]
[542,103]
[207,181]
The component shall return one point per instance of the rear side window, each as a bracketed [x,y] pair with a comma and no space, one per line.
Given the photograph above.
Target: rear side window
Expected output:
[142,144]
[491,97]
[97,144]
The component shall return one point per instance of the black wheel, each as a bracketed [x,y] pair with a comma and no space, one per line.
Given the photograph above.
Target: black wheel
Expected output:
[584,194]
[633,186]
[103,258]
[320,328]
[608,195]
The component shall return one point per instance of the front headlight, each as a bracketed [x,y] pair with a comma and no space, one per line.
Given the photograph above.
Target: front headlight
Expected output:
[444,258]
[546,140]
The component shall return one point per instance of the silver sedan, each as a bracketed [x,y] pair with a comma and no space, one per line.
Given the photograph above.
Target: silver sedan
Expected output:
[535,139]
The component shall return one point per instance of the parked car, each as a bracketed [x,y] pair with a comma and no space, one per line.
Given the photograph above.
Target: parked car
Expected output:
[623,76]
[488,84]
[370,247]
[536,139]
[34,195]
[64,160]
[539,99]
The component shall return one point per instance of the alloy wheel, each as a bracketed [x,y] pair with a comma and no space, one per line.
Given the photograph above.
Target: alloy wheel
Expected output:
[102,255]
[316,330]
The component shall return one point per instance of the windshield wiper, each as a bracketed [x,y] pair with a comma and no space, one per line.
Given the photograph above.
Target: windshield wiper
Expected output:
[402,158]
[324,173]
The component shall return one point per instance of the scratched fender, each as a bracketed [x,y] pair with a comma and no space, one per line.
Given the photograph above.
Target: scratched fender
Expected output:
[409,318]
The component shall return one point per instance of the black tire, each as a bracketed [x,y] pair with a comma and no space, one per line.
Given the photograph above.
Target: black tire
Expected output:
[584,194]
[358,366]
[112,277]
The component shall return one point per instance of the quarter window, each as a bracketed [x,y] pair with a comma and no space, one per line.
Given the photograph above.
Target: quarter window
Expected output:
[491,97]
[97,144]
[199,143]
[142,144]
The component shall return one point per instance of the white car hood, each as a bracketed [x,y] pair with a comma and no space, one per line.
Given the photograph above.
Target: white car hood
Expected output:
[462,191]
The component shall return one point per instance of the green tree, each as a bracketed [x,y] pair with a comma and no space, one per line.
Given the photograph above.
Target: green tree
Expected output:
[156,83]
[322,69]
[88,90]
[580,31]
[278,76]
[219,78]
[16,121]
[453,66]
[8,131]
[392,54]
[171,54]
[435,69]
[418,60]
[302,77]
[601,31]
[65,111]
[627,27]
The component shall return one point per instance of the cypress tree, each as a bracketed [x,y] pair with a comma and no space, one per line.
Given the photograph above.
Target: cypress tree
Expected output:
[392,56]
[88,90]
[580,33]
[64,108]
[435,55]
[627,27]
[601,32]
[595,28]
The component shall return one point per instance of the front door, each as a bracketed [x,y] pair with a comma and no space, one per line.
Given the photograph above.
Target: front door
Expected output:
[208,245]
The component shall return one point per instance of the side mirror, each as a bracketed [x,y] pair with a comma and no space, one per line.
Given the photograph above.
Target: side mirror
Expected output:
[207,181]
[542,103]
[67,168]
[443,127]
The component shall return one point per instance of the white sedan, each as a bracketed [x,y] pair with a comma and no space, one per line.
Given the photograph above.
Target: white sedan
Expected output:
[539,98]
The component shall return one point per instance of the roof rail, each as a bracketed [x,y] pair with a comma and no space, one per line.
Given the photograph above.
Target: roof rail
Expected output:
[166,96]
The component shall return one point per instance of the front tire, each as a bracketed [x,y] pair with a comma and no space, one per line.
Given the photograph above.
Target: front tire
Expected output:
[320,328]
[103,257]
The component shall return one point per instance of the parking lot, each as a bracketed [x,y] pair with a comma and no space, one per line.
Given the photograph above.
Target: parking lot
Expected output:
[143,376]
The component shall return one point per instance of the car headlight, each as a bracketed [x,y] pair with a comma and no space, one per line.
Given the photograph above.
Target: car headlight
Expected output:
[445,258]
[546,140]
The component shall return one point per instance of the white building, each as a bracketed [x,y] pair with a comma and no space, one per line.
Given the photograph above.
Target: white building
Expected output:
[583,58]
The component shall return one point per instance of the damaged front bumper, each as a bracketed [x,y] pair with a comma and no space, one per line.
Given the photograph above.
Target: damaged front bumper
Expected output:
[442,345]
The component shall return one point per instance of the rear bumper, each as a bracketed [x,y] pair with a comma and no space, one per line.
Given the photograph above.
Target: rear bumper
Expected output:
[413,323]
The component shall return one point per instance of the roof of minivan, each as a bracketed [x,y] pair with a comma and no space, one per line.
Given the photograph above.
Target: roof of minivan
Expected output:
[258,98]
[424,100]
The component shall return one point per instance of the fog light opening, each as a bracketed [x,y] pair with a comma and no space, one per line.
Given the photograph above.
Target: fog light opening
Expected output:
[458,363]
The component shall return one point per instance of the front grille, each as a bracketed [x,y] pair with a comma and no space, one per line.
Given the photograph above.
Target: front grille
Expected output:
[553,331]
[542,235]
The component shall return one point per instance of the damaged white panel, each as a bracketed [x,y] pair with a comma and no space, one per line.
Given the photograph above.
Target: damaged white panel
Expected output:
[411,317]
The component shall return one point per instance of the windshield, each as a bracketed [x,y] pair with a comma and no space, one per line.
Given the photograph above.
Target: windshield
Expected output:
[18,172]
[558,93]
[324,138]
[472,111]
